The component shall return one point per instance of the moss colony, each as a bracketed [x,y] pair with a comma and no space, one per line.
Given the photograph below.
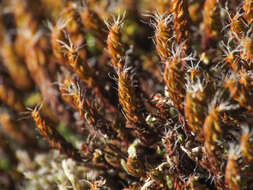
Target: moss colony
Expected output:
[126,94]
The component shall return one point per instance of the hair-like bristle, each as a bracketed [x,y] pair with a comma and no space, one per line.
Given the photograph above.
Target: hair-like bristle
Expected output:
[115,46]
[127,96]
[163,35]
[79,66]
[58,33]
[174,73]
